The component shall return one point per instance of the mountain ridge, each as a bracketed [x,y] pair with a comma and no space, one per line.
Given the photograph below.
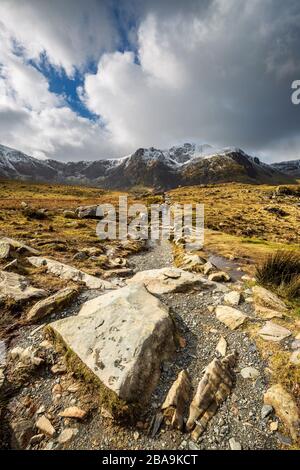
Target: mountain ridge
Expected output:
[185,165]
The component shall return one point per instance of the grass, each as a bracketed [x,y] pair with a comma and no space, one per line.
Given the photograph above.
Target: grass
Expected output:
[280,271]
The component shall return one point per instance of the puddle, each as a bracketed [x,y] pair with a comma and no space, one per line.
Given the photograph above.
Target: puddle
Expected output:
[224,264]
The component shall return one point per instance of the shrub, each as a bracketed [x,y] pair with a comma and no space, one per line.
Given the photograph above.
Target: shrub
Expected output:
[281,271]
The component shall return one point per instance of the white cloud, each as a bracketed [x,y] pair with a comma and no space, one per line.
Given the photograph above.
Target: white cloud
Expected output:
[217,71]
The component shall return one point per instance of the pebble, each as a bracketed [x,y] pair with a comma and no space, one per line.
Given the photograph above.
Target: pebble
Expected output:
[266,411]
[66,435]
[234,445]
[249,373]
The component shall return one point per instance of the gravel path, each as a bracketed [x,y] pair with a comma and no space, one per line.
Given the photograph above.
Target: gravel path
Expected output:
[238,417]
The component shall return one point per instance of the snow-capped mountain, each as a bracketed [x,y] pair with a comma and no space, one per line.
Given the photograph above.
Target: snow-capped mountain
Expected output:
[291,167]
[189,164]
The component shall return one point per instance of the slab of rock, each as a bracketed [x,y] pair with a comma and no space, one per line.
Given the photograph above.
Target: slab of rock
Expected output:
[219,276]
[267,313]
[222,346]
[122,337]
[265,298]
[273,332]
[232,298]
[230,316]
[285,408]
[167,280]
[177,399]
[70,273]
[44,425]
[249,373]
[55,302]
[213,389]
[18,287]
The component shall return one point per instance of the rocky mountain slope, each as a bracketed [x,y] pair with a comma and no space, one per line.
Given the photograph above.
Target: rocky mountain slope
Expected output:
[291,167]
[185,165]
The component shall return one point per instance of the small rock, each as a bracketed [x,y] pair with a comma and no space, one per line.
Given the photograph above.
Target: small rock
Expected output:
[295,357]
[44,425]
[73,412]
[36,439]
[295,344]
[249,373]
[274,426]
[234,445]
[136,435]
[232,298]
[266,411]
[193,446]
[59,369]
[66,435]
[220,276]
[41,410]
[222,346]
[230,316]
[285,440]
[273,332]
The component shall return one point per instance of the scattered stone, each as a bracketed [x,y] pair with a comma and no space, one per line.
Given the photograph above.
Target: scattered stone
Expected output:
[273,332]
[69,214]
[265,298]
[73,412]
[55,302]
[58,369]
[66,435]
[232,298]
[220,276]
[213,389]
[80,256]
[112,335]
[266,411]
[249,373]
[36,439]
[285,408]
[70,273]
[44,425]
[22,431]
[222,346]
[208,268]
[295,357]
[177,399]
[17,287]
[88,212]
[274,426]
[295,344]
[41,410]
[17,247]
[234,444]
[230,316]
[267,313]
[4,250]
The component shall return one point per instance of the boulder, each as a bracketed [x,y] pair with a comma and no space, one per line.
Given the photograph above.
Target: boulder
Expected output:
[55,302]
[121,337]
[17,287]
[70,273]
[167,280]
[285,408]
[230,316]
[273,332]
[265,298]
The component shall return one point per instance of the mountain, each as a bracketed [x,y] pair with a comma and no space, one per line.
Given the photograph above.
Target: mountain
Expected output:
[291,167]
[189,164]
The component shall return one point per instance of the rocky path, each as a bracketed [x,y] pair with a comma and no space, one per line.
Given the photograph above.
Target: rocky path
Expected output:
[238,422]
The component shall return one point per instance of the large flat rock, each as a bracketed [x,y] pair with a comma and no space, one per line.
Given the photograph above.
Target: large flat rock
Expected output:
[265,298]
[122,337]
[231,317]
[166,280]
[273,332]
[70,273]
[18,287]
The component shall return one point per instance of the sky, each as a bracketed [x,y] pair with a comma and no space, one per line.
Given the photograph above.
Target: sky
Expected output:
[94,79]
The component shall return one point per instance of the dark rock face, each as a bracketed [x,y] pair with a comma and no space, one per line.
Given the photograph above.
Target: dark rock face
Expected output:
[165,169]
